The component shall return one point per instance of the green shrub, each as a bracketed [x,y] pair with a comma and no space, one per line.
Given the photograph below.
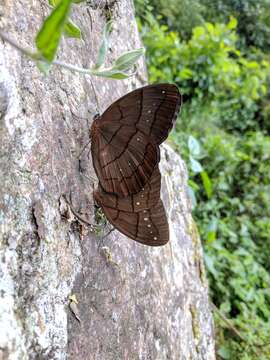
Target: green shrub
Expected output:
[182,16]
[209,68]
[237,255]
[178,15]
[233,211]
[222,134]
[253,17]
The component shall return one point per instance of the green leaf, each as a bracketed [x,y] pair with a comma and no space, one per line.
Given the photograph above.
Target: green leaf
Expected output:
[207,184]
[210,27]
[72,30]
[185,73]
[195,165]
[212,230]
[194,185]
[192,196]
[209,262]
[194,146]
[43,66]
[48,37]
[104,44]
[198,31]
[224,352]
[232,23]
[54,2]
[111,74]
[128,59]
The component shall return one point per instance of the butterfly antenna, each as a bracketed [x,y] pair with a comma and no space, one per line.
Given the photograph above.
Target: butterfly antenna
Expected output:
[91,179]
[85,146]
[109,232]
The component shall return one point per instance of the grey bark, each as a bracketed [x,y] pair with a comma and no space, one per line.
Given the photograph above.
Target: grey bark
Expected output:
[134,302]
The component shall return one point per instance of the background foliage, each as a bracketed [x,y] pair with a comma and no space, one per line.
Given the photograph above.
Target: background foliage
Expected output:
[222,68]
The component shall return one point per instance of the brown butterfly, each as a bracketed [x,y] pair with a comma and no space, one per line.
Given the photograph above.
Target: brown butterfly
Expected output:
[125,143]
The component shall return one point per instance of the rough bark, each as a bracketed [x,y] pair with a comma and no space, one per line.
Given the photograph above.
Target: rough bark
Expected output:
[134,302]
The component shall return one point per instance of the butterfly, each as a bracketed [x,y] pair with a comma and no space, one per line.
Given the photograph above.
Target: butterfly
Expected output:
[125,151]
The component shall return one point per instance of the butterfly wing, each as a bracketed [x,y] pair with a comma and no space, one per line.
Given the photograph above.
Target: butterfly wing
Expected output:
[143,200]
[125,152]
[125,138]
[124,158]
[148,227]
[152,109]
[141,216]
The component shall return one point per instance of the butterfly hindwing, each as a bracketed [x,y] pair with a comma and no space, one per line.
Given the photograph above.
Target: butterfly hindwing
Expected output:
[149,226]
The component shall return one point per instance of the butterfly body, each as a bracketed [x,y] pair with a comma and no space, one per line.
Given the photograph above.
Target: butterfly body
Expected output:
[125,152]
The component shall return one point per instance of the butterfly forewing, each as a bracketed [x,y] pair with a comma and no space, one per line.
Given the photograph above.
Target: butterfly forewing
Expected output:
[125,138]
[125,152]
[152,109]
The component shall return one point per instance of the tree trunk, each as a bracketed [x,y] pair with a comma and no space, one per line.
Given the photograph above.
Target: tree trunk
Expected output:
[134,302]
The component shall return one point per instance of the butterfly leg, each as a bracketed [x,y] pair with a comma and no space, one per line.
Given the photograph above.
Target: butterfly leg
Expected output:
[91,179]
[78,116]
[84,147]
[75,213]
[97,228]
[109,232]
[88,177]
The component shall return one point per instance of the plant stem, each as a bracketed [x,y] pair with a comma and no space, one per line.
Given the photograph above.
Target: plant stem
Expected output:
[71,67]
[34,56]
[26,52]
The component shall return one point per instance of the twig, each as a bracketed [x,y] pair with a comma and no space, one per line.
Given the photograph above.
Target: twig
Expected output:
[84,147]
[74,212]
[26,52]
[227,322]
[35,56]
[108,233]
[71,67]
